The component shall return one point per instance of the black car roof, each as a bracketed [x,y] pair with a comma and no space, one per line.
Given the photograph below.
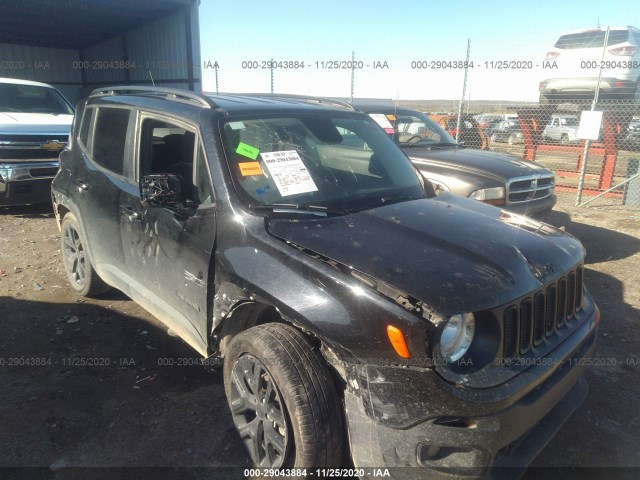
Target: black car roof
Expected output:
[224,103]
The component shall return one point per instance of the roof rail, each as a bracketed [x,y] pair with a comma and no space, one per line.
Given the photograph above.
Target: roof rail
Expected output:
[167,93]
[301,98]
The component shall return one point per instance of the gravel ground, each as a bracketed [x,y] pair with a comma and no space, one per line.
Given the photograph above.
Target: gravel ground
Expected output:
[85,382]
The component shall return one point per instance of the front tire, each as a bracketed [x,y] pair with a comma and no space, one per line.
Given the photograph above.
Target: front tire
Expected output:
[283,400]
[564,139]
[82,277]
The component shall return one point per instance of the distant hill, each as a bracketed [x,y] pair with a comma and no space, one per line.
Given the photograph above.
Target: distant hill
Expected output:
[451,106]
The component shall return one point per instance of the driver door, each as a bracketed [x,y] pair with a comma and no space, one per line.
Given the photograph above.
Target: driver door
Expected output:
[168,250]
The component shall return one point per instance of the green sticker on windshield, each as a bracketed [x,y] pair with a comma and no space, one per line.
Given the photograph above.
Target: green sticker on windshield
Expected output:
[248,151]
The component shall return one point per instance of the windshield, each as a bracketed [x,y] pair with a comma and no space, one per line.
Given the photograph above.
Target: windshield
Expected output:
[32,99]
[415,128]
[330,160]
[591,39]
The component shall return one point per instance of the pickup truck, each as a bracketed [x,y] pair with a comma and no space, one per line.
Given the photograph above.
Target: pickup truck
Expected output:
[35,120]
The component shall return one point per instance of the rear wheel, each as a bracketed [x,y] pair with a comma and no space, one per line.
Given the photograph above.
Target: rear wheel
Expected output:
[494,138]
[282,398]
[511,139]
[82,277]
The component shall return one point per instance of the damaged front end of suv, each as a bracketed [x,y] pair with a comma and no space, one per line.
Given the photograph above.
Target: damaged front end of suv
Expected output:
[362,320]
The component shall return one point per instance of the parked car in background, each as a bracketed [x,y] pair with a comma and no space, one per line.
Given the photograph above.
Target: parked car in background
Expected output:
[634,125]
[631,142]
[487,121]
[506,131]
[356,313]
[563,129]
[471,134]
[491,177]
[575,62]
[35,119]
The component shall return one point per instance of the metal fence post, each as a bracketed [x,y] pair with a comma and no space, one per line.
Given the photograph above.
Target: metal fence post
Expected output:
[587,143]
[632,188]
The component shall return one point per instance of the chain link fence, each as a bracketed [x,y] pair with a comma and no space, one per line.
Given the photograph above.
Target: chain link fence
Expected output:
[548,134]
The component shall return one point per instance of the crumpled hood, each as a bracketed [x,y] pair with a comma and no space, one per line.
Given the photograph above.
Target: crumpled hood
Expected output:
[454,254]
[35,123]
[489,163]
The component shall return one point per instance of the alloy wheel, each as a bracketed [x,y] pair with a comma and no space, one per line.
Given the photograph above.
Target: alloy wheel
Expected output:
[74,255]
[259,413]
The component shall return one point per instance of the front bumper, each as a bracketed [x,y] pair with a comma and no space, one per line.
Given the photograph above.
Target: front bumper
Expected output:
[539,208]
[26,183]
[471,438]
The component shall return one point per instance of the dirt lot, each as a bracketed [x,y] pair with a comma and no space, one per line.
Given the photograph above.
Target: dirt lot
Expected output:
[85,382]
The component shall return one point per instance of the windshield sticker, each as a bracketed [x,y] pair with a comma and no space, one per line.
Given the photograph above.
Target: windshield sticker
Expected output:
[289,172]
[263,190]
[382,120]
[247,151]
[236,125]
[250,168]
[391,117]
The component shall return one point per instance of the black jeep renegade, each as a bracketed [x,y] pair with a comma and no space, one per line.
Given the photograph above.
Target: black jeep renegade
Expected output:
[363,321]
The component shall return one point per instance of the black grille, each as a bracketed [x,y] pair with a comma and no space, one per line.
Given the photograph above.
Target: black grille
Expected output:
[525,325]
[510,331]
[44,172]
[544,312]
[579,288]
[29,139]
[28,153]
[539,311]
[561,311]
[571,294]
[29,147]
[550,311]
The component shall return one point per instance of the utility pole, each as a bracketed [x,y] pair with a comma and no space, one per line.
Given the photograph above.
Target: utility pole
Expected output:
[353,73]
[271,76]
[215,67]
[464,90]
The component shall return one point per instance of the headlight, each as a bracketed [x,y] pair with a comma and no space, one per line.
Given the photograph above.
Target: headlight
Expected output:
[456,336]
[493,196]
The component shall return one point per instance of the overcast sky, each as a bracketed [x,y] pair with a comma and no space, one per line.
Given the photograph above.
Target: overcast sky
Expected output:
[398,33]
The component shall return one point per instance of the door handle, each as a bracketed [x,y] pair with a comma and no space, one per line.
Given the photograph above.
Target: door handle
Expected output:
[81,184]
[132,213]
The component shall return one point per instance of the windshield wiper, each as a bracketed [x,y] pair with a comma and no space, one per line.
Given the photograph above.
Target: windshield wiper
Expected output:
[400,198]
[431,145]
[304,208]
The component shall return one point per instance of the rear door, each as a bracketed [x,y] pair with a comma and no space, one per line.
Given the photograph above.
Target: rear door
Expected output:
[97,182]
[169,253]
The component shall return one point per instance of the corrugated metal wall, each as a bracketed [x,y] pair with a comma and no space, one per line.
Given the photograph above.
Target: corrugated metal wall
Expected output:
[42,65]
[167,49]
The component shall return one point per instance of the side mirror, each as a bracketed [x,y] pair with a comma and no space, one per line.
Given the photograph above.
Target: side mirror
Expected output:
[429,187]
[162,191]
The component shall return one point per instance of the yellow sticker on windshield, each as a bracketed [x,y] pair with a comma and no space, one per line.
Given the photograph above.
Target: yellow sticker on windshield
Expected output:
[391,117]
[250,168]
